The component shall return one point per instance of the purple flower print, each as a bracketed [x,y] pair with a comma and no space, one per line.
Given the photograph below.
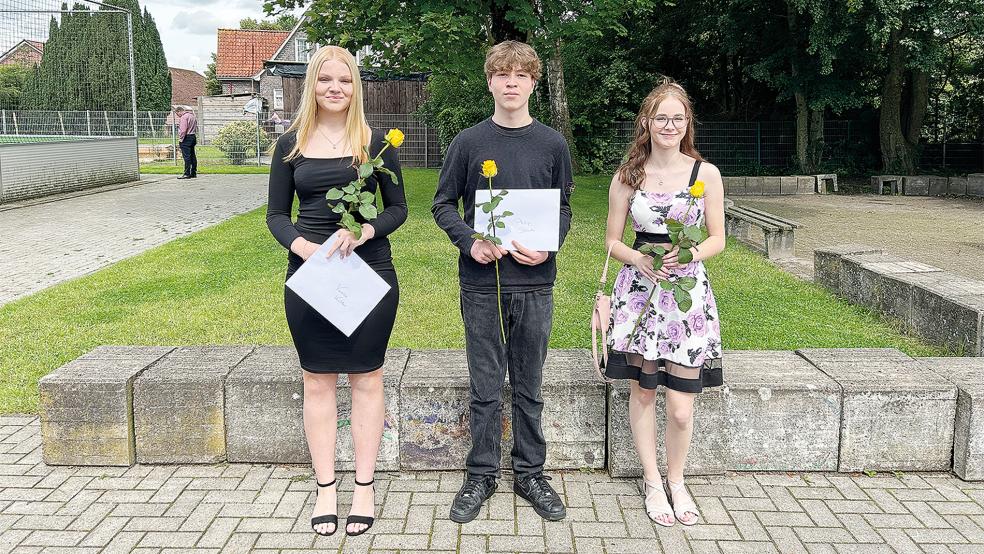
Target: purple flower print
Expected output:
[716,328]
[666,302]
[675,332]
[651,323]
[663,348]
[622,282]
[698,325]
[677,212]
[621,317]
[637,302]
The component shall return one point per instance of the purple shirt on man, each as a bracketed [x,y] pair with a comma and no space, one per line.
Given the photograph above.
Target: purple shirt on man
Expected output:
[187,125]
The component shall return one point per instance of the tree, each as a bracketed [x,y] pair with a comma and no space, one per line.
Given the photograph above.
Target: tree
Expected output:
[912,39]
[13,82]
[212,84]
[449,38]
[97,76]
[285,22]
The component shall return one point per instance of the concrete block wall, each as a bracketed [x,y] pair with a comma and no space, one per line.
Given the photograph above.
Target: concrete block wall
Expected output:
[929,185]
[779,185]
[939,306]
[810,410]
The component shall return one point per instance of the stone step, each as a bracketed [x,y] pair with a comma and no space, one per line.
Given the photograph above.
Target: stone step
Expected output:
[809,410]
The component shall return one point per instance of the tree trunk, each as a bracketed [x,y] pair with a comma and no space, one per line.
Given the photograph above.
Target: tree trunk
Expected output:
[799,96]
[897,156]
[558,96]
[916,114]
[815,153]
[502,28]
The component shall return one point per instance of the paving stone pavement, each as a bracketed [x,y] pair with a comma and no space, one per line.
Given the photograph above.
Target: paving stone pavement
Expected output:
[46,243]
[266,509]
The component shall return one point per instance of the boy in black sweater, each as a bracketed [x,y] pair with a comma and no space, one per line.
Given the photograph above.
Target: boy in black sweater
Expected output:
[529,155]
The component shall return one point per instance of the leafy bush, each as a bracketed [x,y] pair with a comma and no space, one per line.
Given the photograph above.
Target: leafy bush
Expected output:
[238,141]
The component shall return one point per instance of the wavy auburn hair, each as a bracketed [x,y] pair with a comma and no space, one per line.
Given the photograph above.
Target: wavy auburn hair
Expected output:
[632,172]
[305,122]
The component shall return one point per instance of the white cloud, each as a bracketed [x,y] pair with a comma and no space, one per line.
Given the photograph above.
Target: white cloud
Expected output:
[198,22]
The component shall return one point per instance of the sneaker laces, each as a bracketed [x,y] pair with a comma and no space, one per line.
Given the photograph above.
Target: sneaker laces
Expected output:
[471,487]
[538,483]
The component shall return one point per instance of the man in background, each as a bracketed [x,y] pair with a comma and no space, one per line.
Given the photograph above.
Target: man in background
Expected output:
[187,139]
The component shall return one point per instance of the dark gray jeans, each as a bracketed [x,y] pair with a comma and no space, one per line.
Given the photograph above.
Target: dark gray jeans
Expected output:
[528,317]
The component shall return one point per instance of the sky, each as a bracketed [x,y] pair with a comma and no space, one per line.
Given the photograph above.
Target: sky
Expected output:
[188,27]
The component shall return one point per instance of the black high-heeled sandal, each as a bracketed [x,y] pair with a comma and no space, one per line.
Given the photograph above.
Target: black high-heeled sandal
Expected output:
[327,518]
[366,520]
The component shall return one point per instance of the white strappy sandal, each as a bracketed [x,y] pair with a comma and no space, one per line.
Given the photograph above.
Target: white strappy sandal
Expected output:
[683,507]
[657,503]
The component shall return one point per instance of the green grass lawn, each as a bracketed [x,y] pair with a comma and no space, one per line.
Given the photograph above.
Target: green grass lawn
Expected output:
[224,285]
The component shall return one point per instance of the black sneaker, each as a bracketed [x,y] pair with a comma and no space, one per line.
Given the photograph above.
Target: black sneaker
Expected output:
[468,502]
[538,492]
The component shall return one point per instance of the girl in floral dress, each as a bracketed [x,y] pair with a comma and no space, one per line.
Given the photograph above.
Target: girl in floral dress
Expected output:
[676,348]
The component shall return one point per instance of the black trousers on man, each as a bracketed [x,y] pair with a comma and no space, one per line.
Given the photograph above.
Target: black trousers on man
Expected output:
[187,146]
[528,318]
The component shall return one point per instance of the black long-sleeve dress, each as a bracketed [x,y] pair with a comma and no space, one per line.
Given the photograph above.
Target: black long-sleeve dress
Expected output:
[321,347]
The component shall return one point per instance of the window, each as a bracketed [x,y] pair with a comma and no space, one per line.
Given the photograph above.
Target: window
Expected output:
[278,98]
[302,51]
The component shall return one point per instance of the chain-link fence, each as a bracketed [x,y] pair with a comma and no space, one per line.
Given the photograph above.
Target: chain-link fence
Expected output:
[67,97]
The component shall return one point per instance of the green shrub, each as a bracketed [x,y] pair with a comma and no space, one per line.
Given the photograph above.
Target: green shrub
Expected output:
[237,141]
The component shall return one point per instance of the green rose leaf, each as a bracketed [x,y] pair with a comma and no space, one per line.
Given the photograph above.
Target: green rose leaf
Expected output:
[660,250]
[366,197]
[666,285]
[368,211]
[673,225]
[646,248]
[506,213]
[682,298]
[500,225]
[334,194]
[503,192]
[350,189]
[487,207]
[687,283]
[693,233]
[496,240]
[478,236]
[686,256]
[365,170]
[338,208]
[495,202]
[657,263]
[377,162]
[350,198]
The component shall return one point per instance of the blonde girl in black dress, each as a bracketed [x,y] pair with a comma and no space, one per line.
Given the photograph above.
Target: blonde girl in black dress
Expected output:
[318,153]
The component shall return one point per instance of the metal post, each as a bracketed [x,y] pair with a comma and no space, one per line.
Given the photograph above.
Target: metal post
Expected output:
[174,141]
[426,148]
[4,121]
[16,130]
[133,76]
[61,121]
[258,136]
[758,141]
[88,124]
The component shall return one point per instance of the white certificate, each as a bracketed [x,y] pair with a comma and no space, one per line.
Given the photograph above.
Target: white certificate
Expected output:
[534,222]
[344,291]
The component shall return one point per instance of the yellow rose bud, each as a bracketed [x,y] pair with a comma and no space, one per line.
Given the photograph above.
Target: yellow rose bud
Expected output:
[395,137]
[697,190]
[489,169]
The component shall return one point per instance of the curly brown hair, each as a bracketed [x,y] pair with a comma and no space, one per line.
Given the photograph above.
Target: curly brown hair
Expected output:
[632,171]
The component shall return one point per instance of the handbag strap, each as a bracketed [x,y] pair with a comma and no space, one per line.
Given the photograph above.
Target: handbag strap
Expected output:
[604,273]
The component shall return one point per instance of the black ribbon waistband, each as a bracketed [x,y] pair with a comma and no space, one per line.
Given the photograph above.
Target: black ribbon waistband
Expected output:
[651,238]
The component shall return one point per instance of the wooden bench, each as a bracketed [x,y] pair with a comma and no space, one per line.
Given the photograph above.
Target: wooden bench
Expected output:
[778,231]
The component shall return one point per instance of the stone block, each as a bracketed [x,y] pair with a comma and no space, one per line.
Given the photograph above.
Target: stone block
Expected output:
[968,433]
[788,184]
[957,186]
[975,184]
[264,411]
[434,425]
[938,186]
[962,326]
[734,186]
[896,415]
[858,286]
[937,315]
[886,184]
[178,405]
[884,293]
[827,263]
[709,448]
[87,406]
[771,185]
[753,185]
[915,185]
[783,413]
[826,183]
[806,184]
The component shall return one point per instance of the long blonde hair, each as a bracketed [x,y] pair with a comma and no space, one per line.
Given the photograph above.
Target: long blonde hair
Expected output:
[632,171]
[305,122]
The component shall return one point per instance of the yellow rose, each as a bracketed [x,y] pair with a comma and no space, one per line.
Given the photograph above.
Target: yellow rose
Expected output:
[395,137]
[489,169]
[697,190]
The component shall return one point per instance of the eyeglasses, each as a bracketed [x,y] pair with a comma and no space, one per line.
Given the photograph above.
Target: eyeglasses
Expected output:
[662,121]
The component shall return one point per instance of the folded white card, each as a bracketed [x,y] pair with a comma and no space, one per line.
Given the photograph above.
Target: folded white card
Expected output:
[534,222]
[344,291]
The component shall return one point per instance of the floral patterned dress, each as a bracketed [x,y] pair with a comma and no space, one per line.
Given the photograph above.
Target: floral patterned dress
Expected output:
[678,350]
